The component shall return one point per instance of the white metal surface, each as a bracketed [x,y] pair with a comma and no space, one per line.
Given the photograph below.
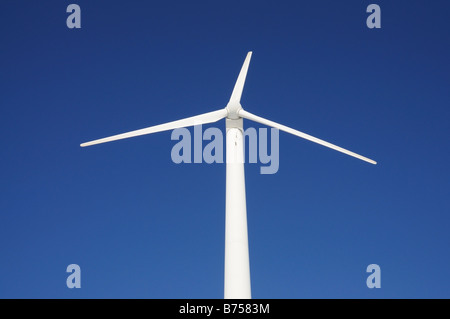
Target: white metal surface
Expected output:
[252,117]
[237,265]
[189,121]
[234,105]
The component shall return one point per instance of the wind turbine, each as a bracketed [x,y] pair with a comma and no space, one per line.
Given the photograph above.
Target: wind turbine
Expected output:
[237,266]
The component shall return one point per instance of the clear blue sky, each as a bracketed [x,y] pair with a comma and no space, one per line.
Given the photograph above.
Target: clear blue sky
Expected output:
[141,226]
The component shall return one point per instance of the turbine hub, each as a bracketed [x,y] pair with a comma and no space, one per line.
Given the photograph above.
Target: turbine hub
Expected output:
[233,109]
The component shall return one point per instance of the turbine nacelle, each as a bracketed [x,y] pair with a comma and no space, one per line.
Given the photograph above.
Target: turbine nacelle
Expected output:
[233,109]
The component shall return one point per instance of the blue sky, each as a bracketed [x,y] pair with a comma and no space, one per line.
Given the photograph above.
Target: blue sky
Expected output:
[141,226]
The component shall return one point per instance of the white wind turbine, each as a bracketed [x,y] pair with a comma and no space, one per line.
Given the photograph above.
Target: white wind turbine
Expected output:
[237,267]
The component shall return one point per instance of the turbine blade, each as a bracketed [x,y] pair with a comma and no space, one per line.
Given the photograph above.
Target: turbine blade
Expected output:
[239,86]
[252,117]
[190,121]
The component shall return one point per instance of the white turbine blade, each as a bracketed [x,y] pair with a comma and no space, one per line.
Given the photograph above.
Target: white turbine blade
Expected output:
[190,121]
[250,116]
[239,86]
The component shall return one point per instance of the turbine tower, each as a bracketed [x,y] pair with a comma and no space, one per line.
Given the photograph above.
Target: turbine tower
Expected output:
[237,265]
